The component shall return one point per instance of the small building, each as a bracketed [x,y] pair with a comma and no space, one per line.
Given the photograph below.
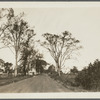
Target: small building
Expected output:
[32,72]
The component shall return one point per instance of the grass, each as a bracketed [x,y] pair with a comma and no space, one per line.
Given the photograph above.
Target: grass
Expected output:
[11,79]
[68,81]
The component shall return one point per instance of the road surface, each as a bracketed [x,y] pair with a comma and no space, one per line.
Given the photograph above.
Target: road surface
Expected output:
[40,83]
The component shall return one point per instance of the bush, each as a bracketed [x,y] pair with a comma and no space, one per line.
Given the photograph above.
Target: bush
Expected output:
[89,78]
[74,70]
[65,79]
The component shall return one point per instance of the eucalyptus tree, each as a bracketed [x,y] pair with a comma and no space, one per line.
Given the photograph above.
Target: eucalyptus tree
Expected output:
[13,32]
[60,47]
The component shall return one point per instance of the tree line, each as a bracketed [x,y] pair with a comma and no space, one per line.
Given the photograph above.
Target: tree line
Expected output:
[89,77]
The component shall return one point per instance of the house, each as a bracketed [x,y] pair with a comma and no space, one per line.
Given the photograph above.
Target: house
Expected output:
[32,71]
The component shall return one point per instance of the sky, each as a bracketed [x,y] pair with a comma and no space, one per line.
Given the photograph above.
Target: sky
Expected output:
[83,22]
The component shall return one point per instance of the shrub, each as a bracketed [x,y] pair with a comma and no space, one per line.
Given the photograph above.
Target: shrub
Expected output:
[89,77]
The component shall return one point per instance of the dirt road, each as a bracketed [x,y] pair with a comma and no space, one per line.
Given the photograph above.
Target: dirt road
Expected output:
[40,83]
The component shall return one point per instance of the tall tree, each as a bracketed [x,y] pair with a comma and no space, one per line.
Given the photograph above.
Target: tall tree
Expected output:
[27,57]
[14,32]
[39,62]
[60,47]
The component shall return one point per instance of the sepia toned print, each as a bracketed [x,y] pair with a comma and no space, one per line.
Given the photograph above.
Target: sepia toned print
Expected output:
[49,49]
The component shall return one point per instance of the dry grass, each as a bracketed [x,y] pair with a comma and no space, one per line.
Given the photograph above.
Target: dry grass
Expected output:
[68,81]
[10,79]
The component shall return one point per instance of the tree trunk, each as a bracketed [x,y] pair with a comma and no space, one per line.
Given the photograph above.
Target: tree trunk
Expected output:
[24,70]
[59,69]
[16,66]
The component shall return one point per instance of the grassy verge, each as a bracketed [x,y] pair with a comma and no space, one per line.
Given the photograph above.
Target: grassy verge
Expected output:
[68,81]
[10,79]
